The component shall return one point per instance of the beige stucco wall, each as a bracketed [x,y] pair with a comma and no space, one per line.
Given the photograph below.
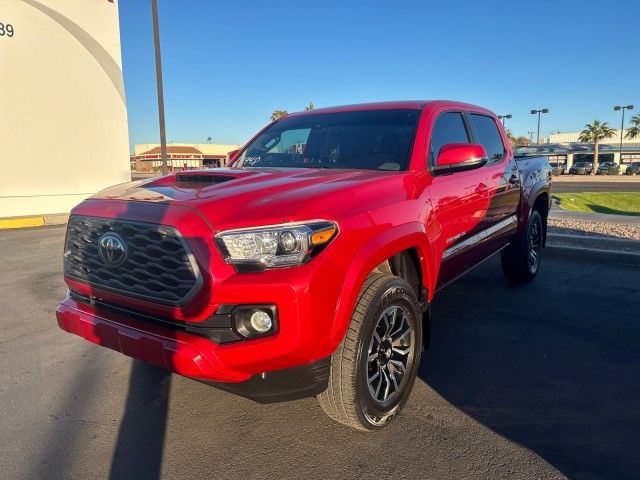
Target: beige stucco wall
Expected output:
[63,117]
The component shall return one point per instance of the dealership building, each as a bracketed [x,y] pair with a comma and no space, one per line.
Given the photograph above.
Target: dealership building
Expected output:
[564,149]
[63,116]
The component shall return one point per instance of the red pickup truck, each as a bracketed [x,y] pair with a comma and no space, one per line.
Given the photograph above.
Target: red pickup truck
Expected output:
[309,265]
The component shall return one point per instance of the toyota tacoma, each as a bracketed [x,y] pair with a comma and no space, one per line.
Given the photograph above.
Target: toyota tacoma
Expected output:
[308,266]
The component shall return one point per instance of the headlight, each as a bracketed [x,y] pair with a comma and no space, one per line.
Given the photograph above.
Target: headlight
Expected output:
[275,245]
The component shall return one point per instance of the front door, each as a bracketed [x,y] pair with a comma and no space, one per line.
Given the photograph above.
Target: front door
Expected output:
[459,201]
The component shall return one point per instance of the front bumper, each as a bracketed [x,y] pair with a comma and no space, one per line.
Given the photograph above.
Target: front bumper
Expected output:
[182,353]
[305,298]
[189,355]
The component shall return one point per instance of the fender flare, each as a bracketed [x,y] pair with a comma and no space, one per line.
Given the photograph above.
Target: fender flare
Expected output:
[529,199]
[536,190]
[369,256]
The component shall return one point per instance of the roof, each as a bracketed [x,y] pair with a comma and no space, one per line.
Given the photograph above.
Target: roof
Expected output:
[399,104]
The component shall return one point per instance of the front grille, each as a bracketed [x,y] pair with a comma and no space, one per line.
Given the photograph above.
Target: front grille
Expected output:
[156,264]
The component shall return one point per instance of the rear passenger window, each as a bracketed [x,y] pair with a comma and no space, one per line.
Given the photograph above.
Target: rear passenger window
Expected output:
[449,128]
[488,136]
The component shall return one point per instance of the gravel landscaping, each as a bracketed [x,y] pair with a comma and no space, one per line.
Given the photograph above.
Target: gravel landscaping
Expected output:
[581,227]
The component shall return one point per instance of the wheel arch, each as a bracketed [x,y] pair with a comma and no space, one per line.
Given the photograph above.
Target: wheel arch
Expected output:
[401,249]
[537,196]
[541,203]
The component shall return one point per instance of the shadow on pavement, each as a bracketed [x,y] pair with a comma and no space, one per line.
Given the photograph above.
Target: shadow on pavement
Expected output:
[560,377]
[140,442]
[141,436]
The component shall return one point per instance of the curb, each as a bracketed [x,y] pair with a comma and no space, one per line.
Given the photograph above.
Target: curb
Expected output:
[609,243]
[591,255]
[33,221]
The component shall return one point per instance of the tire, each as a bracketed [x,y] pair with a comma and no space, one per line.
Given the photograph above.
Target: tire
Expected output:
[521,259]
[355,396]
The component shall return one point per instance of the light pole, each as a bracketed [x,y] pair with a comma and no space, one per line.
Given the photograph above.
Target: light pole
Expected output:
[504,117]
[539,111]
[156,44]
[623,108]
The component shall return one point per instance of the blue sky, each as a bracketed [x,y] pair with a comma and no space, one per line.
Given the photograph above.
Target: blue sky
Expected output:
[229,64]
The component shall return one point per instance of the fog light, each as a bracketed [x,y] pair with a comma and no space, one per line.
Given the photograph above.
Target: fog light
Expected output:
[261,321]
[252,321]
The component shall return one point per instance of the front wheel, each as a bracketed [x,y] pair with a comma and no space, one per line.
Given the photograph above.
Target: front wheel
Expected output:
[521,259]
[374,367]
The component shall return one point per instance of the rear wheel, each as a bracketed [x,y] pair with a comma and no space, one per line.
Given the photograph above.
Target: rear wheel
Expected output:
[374,367]
[521,259]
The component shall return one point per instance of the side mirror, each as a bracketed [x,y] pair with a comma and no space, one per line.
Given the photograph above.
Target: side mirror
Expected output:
[455,157]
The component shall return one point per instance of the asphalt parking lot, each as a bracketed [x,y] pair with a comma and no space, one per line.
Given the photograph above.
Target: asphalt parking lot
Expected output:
[541,381]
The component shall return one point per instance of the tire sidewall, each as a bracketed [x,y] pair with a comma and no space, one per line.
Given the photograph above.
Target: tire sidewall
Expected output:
[395,292]
[537,218]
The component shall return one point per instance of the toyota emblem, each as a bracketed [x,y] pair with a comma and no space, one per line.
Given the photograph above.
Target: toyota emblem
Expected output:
[112,249]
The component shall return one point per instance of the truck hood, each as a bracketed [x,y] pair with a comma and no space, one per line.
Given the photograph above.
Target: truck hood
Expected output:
[236,197]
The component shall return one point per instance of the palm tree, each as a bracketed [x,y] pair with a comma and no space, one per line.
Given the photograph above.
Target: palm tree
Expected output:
[594,133]
[309,107]
[278,114]
[634,131]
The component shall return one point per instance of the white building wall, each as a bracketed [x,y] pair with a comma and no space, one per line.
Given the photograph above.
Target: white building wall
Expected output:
[63,117]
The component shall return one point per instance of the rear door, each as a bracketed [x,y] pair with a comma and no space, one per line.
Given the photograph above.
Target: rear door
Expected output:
[502,180]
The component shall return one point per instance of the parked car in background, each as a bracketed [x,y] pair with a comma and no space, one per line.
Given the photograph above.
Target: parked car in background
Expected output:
[308,268]
[633,169]
[608,168]
[581,168]
[557,168]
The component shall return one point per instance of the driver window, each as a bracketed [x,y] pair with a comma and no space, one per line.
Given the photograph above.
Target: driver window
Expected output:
[290,141]
[448,128]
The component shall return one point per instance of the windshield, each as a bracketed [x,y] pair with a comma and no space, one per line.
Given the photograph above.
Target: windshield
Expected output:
[369,139]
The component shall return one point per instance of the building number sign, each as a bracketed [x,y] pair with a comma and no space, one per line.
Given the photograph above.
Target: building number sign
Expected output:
[6,30]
